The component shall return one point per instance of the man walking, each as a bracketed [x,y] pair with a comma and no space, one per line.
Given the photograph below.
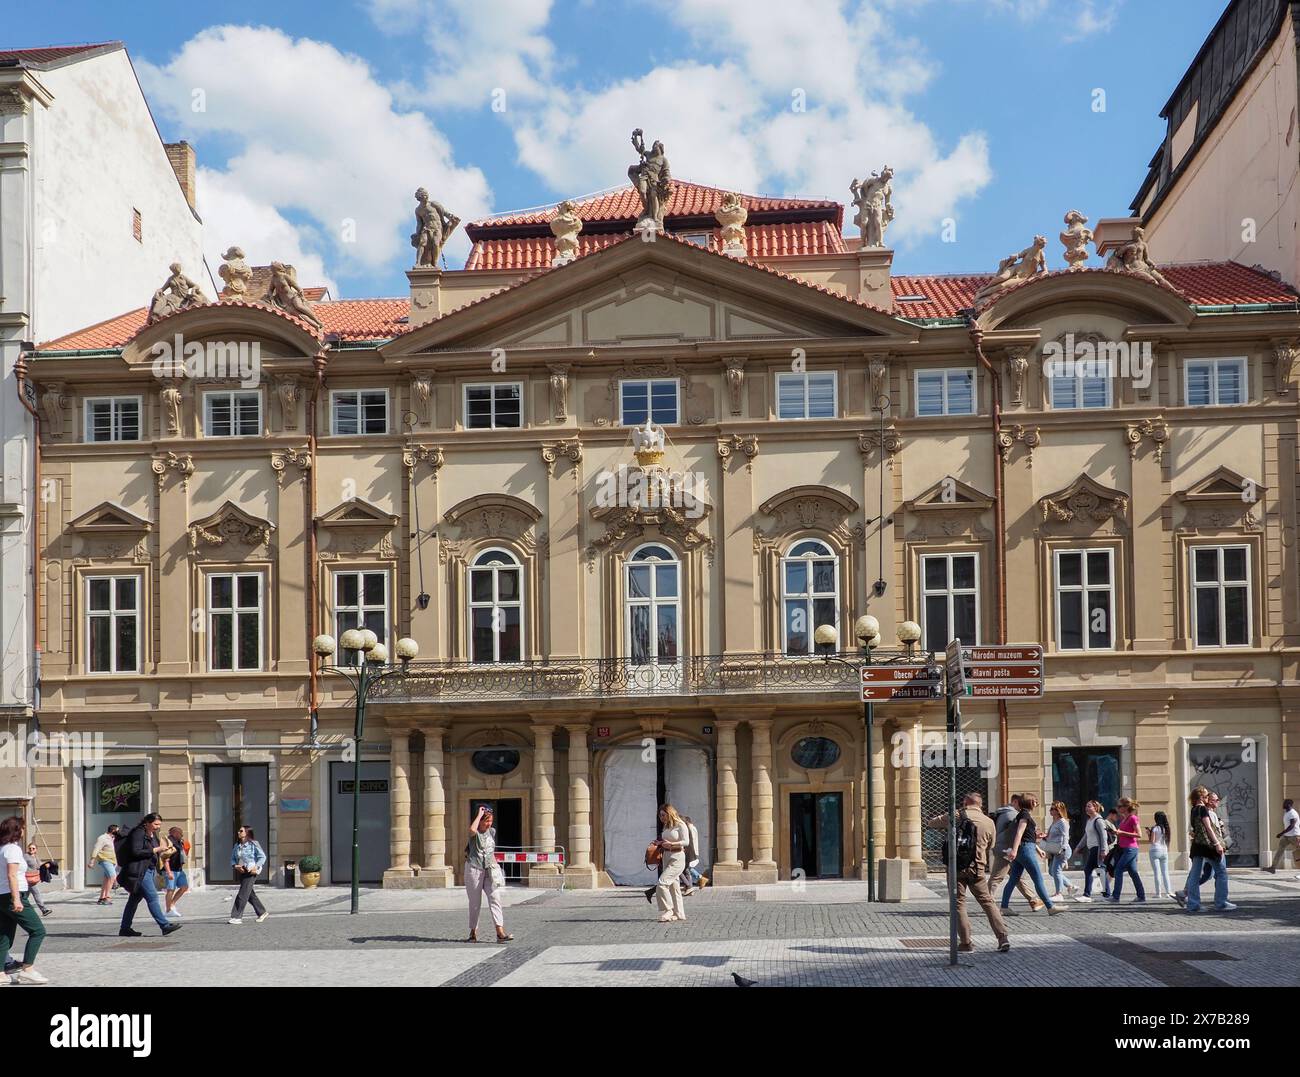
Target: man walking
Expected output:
[138,859]
[970,873]
[1004,821]
[1289,838]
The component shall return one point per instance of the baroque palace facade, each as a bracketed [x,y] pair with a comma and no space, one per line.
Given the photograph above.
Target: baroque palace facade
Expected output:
[459,467]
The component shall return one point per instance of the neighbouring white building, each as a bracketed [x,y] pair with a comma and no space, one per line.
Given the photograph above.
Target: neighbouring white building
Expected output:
[93,208]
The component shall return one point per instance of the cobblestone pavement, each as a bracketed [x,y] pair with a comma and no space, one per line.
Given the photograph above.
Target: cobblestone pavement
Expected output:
[785,934]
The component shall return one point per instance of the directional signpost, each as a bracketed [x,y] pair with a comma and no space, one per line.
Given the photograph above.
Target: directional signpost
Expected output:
[1009,671]
[912,680]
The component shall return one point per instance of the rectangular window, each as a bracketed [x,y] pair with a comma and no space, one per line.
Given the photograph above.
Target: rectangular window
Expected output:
[495,406]
[113,624]
[949,599]
[806,396]
[235,621]
[232,414]
[945,392]
[360,601]
[1073,391]
[655,399]
[359,411]
[1085,600]
[1221,596]
[115,418]
[1215,381]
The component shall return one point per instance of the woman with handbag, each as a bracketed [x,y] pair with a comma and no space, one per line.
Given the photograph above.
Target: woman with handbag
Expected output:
[248,859]
[1096,843]
[16,907]
[1057,847]
[483,875]
[34,877]
[672,843]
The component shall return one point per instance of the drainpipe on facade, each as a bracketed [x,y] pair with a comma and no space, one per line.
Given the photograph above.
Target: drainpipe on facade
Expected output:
[20,381]
[1000,539]
[313,613]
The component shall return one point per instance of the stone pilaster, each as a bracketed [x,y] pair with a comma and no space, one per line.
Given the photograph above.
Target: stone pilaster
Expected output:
[579,872]
[564,556]
[1153,763]
[762,868]
[399,808]
[543,803]
[876,809]
[909,801]
[727,870]
[738,562]
[434,862]
[1152,548]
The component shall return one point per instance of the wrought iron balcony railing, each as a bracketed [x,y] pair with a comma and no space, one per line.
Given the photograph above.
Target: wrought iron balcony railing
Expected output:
[593,678]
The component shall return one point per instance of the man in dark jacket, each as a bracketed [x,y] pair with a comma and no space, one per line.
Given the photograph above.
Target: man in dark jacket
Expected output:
[137,858]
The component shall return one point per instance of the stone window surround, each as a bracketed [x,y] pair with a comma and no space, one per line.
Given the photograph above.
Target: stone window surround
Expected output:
[1184,544]
[332,430]
[82,574]
[1121,634]
[115,398]
[263,571]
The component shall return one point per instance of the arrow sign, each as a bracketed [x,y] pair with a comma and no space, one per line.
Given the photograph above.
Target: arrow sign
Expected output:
[1016,652]
[884,693]
[998,671]
[996,690]
[897,673]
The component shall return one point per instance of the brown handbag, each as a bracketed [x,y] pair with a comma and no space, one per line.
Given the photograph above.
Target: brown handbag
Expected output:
[653,855]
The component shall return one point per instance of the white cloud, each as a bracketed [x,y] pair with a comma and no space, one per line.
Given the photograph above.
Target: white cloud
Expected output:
[318,139]
[1085,17]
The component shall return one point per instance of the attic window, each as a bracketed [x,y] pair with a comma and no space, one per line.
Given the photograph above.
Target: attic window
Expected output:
[137,226]
[700,239]
[911,299]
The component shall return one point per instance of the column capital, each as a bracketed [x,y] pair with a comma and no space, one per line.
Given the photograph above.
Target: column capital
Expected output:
[582,729]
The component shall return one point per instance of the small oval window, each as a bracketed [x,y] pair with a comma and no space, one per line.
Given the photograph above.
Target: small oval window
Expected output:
[496,761]
[815,753]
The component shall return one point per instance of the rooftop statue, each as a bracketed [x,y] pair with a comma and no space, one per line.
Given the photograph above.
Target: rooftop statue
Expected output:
[235,272]
[652,180]
[1076,238]
[433,226]
[1014,268]
[1134,257]
[875,210]
[285,293]
[565,226]
[177,293]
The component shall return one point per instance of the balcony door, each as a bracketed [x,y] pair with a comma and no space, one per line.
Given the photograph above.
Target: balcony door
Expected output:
[652,619]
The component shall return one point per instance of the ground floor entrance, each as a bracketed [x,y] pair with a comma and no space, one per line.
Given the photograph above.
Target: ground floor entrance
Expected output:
[508,821]
[816,835]
[236,796]
[116,795]
[374,829]
[1078,776]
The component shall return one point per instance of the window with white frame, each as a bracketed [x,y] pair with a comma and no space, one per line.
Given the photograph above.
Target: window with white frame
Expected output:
[232,414]
[809,594]
[1221,596]
[234,621]
[113,418]
[653,398]
[945,392]
[1077,390]
[1214,381]
[652,610]
[811,395]
[359,411]
[1085,600]
[113,624]
[361,601]
[949,599]
[496,607]
[494,406]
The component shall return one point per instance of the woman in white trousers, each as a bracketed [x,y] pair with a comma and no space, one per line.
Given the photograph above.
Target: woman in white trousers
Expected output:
[480,853]
[672,845]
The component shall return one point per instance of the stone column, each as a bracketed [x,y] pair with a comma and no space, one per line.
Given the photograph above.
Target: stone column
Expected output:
[762,868]
[435,868]
[909,836]
[876,809]
[543,803]
[400,811]
[579,872]
[727,870]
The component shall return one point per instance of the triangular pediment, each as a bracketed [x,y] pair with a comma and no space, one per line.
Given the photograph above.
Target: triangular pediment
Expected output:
[666,292]
[356,512]
[108,517]
[1224,484]
[949,495]
[230,525]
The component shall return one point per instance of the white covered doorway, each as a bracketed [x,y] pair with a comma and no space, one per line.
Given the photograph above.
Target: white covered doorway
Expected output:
[635,781]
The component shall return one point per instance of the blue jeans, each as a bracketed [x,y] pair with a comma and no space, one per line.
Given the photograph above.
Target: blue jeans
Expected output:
[1160,869]
[1056,868]
[145,891]
[1126,861]
[1093,865]
[1219,869]
[1026,861]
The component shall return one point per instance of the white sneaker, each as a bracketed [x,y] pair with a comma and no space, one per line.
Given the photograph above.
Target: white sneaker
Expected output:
[1080,897]
[1056,910]
[1227,906]
[28,976]
[234,920]
[263,916]
[175,914]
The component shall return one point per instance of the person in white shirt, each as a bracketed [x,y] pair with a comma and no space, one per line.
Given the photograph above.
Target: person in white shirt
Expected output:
[1289,838]
[16,907]
[691,876]
[1159,833]
[1096,843]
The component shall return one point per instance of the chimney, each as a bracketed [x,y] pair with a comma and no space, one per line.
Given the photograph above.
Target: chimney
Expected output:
[181,157]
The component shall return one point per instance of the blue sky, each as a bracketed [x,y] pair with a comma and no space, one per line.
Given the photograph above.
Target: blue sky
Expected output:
[314,123]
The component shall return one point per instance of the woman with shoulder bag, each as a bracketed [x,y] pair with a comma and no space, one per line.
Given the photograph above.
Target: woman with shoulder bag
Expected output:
[248,859]
[1130,834]
[1095,842]
[483,875]
[672,847]
[1057,847]
[34,877]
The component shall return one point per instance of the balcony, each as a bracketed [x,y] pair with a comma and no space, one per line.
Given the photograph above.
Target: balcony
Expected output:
[601,678]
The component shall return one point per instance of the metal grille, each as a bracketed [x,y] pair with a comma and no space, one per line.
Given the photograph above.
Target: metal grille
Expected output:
[934,801]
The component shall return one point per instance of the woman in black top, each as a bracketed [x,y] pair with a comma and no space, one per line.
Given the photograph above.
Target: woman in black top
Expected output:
[1023,855]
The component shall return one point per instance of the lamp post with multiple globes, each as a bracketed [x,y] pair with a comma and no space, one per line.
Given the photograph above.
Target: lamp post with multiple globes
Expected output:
[866,629]
[373,668]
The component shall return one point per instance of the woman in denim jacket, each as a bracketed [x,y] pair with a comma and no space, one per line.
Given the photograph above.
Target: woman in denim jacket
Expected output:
[248,859]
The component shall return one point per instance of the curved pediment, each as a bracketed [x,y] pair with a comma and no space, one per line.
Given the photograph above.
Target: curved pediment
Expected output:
[1135,297]
[1084,507]
[230,526]
[498,503]
[787,500]
[228,321]
[494,517]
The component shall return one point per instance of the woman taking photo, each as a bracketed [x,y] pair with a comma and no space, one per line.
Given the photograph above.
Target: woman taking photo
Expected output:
[1159,835]
[672,843]
[1023,855]
[1130,833]
[16,906]
[1057,847]
[248,859]
[483,875]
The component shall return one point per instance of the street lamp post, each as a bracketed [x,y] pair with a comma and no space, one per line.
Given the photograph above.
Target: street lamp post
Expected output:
[867,630]
[374,668]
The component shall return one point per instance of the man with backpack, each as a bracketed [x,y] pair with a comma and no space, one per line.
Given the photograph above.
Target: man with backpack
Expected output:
[975,838]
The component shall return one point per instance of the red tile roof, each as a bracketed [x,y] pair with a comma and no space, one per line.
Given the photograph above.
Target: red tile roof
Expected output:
[50,54]
[530,252]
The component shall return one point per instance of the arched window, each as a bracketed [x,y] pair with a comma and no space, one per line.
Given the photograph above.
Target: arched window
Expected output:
[496,607]
[810,593]
[652,589]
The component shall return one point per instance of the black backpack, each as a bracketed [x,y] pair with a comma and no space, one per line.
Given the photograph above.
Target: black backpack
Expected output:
[966,838]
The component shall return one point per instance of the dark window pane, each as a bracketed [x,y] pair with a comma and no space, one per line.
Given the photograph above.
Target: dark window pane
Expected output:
[823,613]
[1198,384]
[639,616]
[1071,620]
[344,620]
[100,594]
[101,421]
[796,577]
[128,420]
[373,585]
[1234,563]
[1098,568]
[1099,618]
[508,585]
[963,572]
[663,397]
[223,647]
[249,419]
[666,581]
[510,634]
[1207,616]
[638,581]
[1231,387]
[345,413]
[507,406]
[482,636]
[126,593]
[936,573]
[797,633]
[1069,566]
[936,623]
[667,632]
[824,577]
[1206,562]
[376,622]
[249,645]
[374,407]
[963,615]
[101,637]
[480,585]
[126,644]
[478,407]
[1236,626]
[635,403]
[345,589]
[221,592]
[248,591]
[961,393]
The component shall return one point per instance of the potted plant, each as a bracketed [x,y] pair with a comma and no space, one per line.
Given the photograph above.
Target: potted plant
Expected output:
[309,869]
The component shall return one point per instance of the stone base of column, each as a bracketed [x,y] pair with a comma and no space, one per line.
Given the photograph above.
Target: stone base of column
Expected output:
[918,869]
[427,879]
[730,873]
[397,878]
[545,876]
[585,877]
[761,872]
